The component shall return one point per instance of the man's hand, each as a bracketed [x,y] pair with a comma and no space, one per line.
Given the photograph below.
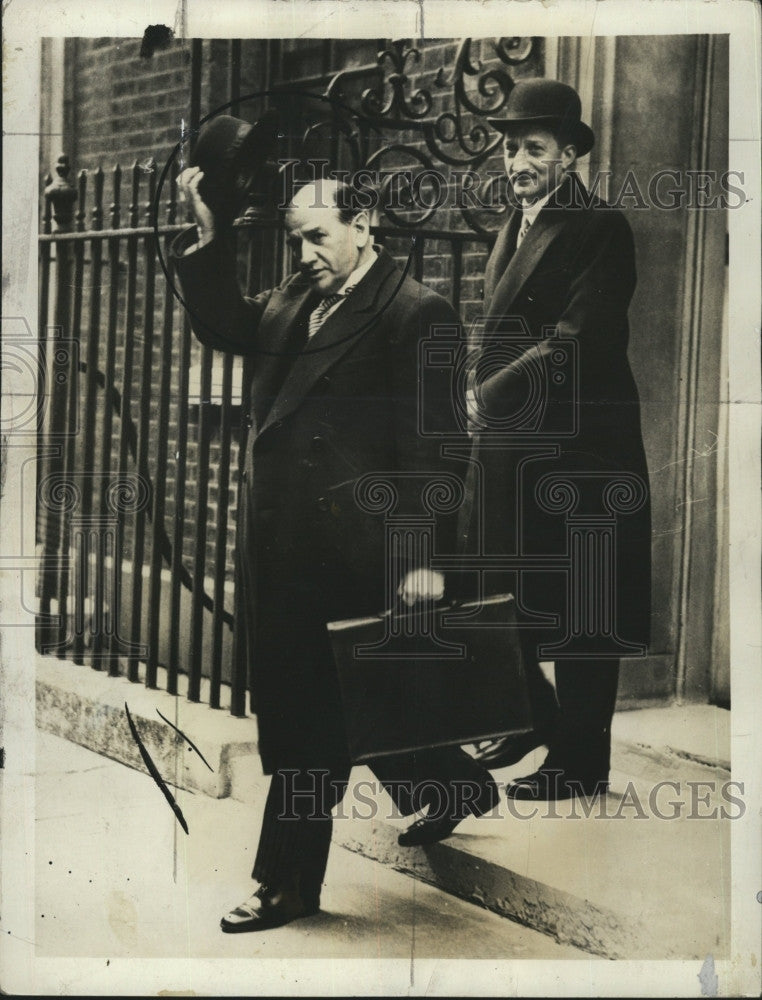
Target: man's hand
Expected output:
[187,185]
[474,416]
[420,584]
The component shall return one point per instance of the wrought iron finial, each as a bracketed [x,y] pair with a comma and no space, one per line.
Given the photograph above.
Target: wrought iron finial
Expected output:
[116,188]
[62,195]
[63,167]
[98,179]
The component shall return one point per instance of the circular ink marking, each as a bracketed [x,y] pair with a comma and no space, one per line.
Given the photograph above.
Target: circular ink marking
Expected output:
[168,270]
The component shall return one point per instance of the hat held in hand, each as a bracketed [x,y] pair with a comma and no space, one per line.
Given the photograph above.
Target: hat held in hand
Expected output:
[547,104]
[232,154]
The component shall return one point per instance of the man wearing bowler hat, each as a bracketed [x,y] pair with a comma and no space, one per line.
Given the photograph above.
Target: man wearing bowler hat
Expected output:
[334,396]
[563,268]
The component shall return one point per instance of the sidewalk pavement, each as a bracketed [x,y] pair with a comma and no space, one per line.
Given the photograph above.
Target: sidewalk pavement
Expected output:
[117,877]
[616,882]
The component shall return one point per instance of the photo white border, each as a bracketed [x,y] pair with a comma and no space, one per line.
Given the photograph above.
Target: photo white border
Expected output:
[25,22]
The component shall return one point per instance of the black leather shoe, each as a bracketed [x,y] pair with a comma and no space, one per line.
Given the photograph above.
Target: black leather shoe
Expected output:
[267,908]
[553,784]
[427,831]
[507,750]
[442,819]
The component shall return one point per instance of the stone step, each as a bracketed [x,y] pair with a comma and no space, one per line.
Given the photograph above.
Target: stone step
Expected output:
[87,707]
[616,882]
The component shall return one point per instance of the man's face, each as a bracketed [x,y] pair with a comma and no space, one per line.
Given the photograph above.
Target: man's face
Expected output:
[326,249]
[535,163]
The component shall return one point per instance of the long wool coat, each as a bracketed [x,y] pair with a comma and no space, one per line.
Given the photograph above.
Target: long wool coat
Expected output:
[569,284]
[321,417]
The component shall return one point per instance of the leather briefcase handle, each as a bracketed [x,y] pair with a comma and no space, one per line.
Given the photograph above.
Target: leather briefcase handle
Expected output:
[400,608]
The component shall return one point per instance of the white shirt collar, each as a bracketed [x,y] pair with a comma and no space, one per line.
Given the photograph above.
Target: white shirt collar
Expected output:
[531,212]
[358,274]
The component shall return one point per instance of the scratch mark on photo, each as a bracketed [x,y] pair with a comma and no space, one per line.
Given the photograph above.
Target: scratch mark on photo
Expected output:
[187,739]
[154,772]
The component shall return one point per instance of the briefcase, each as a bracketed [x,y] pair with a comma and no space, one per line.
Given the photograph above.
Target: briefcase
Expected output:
[413,680]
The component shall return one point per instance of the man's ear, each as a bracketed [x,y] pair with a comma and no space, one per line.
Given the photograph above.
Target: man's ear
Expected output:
[568,156]
[361,226]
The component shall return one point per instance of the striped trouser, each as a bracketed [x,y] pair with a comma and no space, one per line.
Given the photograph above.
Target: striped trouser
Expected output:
[297,824]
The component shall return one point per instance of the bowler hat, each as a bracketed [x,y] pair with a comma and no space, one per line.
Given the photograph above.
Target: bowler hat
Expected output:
[548,103]
[232,154]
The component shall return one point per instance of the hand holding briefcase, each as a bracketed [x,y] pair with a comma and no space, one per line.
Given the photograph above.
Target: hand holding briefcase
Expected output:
[422,679]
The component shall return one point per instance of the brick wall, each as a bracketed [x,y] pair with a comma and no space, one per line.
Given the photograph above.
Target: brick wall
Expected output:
[127,107]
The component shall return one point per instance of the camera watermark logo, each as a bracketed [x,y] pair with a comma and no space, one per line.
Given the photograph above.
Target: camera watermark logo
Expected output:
[500,381]
[39,381]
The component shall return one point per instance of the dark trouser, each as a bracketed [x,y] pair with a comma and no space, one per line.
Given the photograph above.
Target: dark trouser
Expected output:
[297,824]
[586,695]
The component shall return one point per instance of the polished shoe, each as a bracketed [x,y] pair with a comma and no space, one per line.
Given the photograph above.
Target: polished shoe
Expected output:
[550,784]
[428,830]
[268,908]
[507,750]
[442,818]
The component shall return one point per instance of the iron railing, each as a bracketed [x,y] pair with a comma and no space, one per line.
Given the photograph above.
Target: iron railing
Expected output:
[136,577]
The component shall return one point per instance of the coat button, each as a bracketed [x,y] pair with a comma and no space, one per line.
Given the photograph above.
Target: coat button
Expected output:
[323,503]
[318,442]
[245,476]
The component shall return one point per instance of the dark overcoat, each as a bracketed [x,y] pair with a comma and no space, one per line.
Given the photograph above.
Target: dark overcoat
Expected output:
[321,416]
[568,285]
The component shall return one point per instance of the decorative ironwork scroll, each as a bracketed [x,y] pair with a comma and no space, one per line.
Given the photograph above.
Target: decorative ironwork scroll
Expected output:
[392,132]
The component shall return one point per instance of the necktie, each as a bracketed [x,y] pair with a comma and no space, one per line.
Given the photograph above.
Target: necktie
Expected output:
[319,313]
[525,224]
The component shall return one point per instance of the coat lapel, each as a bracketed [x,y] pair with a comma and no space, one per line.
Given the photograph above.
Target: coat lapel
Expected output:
[542,232]
[340,332]
[284,313]
[503,250]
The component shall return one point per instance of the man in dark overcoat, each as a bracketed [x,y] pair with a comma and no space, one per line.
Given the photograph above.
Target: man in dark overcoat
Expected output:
[564,481]
[334,396]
